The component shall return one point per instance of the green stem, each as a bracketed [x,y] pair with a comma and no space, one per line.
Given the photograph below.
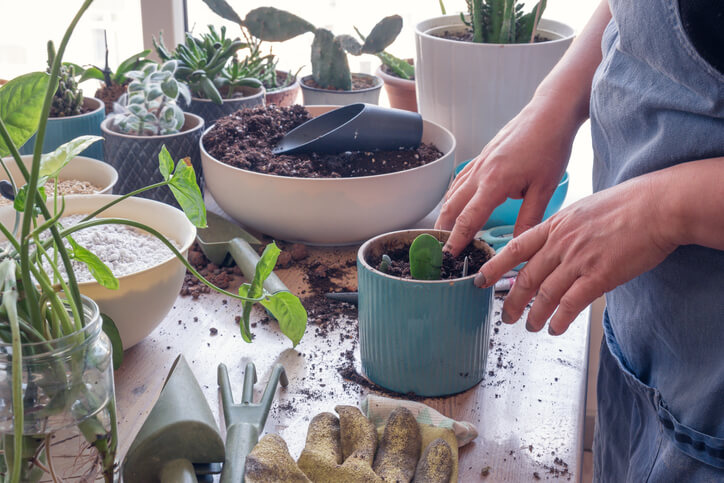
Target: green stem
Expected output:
[477,20]
[121,198]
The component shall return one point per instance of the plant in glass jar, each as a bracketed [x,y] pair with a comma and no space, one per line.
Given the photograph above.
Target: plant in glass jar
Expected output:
[56,367]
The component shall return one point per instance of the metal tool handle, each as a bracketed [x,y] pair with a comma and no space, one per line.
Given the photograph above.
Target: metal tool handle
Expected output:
[246,258]
[240,440]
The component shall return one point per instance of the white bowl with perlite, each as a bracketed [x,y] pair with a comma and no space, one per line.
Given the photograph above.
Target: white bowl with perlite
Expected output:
[149,275]
[82,175]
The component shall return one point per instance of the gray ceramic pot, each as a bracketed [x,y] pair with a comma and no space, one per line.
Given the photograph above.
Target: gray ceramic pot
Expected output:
[60,130]
[136,157]
[314,96]
[210,111]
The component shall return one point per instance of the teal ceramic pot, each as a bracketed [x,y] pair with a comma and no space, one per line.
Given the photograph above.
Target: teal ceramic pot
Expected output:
[136,157]
[507,213]
[211,111]
[60,130]
[425,337]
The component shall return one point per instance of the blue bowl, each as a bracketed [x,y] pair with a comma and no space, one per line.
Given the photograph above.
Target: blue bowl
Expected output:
[428,337]
[507,213]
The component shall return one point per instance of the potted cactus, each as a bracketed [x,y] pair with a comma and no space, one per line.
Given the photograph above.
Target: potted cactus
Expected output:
[219,83]
[71,114]
[455,53]
[331,82]
[145,119]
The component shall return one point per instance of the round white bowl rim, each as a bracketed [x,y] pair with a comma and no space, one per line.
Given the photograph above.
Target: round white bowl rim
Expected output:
[392,234]
[205,153]
[456,22]
[100,105]
[183,244]
[199,125]
[85,159]
[379,84]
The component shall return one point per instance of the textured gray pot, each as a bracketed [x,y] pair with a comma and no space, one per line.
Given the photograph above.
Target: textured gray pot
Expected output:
[314,96]
[210,111]
[136,157]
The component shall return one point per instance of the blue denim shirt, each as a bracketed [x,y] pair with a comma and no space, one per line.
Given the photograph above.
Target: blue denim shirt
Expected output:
[656,103]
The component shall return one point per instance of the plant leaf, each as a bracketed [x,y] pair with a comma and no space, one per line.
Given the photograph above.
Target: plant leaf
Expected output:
[21,101]
[329,62]
[244,322]
[96,267]
[110,329]
[165,163]
[383,34]
[291,314]
[264,268]
[425,258]
[91,72]
[22,195]
[350,44]
[274,25]
[224,10]
[187,193]
[52,163]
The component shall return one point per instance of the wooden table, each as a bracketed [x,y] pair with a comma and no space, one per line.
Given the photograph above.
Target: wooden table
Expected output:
[529,409]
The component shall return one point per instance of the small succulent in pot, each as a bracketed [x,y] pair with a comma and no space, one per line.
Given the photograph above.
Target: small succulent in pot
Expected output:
[502,21]
[201,62]
[330,68]
[68,99]
[149,107]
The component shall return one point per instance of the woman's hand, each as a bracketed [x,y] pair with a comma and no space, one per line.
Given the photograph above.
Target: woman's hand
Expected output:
[526,159]
[583,251]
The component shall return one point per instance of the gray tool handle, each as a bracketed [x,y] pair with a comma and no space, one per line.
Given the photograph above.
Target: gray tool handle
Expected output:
[246,258]
[240,440]
[178,471]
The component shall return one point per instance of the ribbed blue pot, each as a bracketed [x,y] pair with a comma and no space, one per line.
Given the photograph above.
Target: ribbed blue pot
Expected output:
[210,111]
[60,130]
[136,157]
[426,337]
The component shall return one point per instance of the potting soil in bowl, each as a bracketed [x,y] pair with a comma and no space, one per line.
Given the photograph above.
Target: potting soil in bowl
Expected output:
[245,140]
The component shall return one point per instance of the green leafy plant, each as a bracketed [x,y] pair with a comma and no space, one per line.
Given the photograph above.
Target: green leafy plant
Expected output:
[399,67]
[68,98]
[201,62]
[502,21]
[330,68]
[37,305]
[109,77]
[149,107]
[426,257]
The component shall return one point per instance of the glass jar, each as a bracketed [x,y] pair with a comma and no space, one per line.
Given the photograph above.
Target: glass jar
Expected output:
[65,380]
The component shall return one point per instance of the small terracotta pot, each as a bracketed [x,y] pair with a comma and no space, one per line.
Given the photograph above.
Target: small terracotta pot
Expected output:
[400,92]
[285,96]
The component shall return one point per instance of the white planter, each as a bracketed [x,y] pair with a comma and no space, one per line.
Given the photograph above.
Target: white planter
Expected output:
[313,96]
[475,89]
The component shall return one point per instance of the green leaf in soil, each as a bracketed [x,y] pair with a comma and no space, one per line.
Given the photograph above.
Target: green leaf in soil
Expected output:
[291,314]
[52,163]
[244,323]
[425,258]
[21,102]
[96,267]
[110,329]
[187,193]
[165,163]
[22,195]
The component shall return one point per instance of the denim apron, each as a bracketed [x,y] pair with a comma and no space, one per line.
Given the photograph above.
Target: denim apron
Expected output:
[656,103]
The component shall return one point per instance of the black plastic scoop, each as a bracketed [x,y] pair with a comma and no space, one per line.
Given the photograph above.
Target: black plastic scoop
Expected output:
[356,127]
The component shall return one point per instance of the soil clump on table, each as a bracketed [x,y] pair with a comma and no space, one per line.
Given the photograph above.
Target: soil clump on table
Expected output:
[451,267]
[245,140]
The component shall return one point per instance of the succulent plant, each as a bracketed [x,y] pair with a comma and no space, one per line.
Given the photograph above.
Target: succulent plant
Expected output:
[202,60]
[106,74]
[399,67]
[502,21]
[68,99]
[149,107]
[330,68]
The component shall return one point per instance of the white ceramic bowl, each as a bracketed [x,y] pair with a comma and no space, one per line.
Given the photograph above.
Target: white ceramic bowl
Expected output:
[80,168]
[332,211]
[143,298]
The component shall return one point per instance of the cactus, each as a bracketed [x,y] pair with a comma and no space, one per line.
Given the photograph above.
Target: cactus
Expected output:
[68,99]
[502,21]
[330,68]
[149,107]
[400,67]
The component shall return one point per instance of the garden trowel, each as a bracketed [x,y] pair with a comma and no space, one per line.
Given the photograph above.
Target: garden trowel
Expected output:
[179,431]
[222,238]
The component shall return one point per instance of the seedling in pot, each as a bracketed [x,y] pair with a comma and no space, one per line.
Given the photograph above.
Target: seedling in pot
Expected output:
[501,21]
[426,258]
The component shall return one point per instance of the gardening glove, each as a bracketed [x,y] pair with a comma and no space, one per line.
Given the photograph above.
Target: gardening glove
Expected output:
[339,449]
[400,447]
[270,461]
[436,464]
[378,408]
